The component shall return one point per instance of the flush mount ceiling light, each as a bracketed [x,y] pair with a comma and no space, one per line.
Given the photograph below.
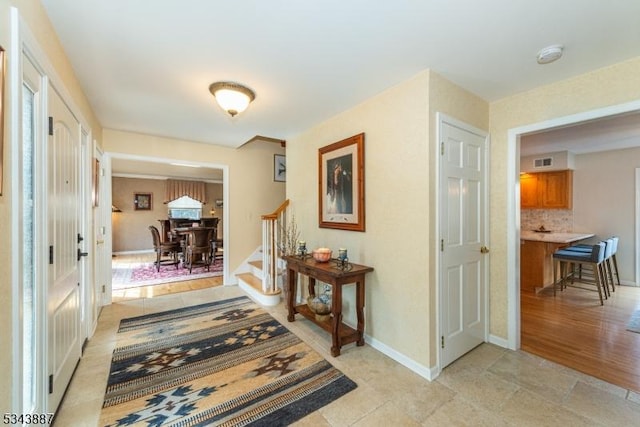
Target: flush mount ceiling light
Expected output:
[550,54]
[232,97]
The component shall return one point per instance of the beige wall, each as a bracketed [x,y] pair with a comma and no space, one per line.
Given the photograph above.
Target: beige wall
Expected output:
[613,85]
[131,227]
[399,194]
[252,191]
[396,206]
[604,201]
[33,15]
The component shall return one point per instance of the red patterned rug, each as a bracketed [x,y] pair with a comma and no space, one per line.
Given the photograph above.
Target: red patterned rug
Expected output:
[145,274]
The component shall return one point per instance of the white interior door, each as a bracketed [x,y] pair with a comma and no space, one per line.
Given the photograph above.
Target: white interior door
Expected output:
[63,296]
[463,225]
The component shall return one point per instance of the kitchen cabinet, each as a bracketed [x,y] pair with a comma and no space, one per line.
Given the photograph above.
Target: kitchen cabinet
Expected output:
[547,190]
[536,264]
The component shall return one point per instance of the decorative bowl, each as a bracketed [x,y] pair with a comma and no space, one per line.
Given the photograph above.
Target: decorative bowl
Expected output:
[322,254]
[320,306]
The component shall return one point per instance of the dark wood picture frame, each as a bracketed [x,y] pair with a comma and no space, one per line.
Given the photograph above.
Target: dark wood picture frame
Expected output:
[142,201]
[2,108]
[279,168]
[341,184]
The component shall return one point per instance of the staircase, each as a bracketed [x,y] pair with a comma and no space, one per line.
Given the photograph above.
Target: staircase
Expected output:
[262,281]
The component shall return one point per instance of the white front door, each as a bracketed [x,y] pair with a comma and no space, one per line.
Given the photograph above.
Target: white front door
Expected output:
[463,227]
[63,296]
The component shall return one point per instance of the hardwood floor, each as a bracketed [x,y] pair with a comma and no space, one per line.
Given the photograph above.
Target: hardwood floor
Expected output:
[574,330]
[162,289]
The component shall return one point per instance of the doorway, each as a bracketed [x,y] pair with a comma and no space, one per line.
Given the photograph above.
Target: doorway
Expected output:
[48,218]
[123,171]
[513,204]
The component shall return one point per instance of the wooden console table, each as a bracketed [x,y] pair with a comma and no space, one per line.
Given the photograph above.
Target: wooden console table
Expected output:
[328,272]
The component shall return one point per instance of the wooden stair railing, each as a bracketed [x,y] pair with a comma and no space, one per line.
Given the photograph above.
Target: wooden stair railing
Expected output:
[272,235]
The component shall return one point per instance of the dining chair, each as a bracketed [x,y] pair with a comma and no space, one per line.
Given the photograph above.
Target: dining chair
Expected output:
[217,252]
[163,248]
[199,247]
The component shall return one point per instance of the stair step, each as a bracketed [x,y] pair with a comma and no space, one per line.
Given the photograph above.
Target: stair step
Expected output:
[256,264]
[255,283]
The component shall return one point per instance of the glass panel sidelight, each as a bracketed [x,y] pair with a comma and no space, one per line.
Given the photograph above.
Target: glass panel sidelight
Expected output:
[28,254]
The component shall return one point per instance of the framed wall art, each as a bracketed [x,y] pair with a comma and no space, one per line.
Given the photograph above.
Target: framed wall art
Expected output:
[341,184]
[279,168]
[142,201]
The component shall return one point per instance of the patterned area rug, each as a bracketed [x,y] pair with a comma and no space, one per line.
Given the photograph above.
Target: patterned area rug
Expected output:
[634,322]
[225,363]
[126,276]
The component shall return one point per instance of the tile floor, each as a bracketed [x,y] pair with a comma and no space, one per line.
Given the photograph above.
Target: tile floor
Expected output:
[490,386]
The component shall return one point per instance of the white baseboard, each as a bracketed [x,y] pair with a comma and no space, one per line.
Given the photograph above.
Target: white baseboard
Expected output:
[424,371]
[142,251]
[499,341]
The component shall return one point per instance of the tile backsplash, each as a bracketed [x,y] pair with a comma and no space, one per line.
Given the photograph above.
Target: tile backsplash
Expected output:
[560,220]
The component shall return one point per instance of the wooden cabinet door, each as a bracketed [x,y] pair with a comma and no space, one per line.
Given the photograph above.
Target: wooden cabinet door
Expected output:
[529,190]
[555,190]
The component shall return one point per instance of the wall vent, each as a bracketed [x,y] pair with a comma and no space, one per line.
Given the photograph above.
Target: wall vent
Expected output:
[543,163]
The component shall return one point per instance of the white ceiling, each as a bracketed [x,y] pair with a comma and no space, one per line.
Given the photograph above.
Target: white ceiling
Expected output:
[145,66]
[609,133]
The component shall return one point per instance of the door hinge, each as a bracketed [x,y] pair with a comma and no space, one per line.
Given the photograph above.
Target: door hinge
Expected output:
[442,148]
[51,384]
[51,254]
[50,125]
[104,289]
[441,245]
[442,341]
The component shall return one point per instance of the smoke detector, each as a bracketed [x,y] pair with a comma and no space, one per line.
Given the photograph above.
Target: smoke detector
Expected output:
[549,54]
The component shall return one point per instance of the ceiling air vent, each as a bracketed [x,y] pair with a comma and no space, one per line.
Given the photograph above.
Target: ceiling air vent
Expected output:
[543,163]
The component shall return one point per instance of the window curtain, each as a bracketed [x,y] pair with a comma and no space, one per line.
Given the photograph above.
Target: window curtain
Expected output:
[176,189]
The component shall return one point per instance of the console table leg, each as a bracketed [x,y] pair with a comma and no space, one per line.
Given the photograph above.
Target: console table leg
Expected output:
[360,310]
[336,311]
[335,335]
[291,284]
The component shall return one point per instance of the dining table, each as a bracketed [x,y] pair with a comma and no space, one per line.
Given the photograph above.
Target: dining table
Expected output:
[180,234]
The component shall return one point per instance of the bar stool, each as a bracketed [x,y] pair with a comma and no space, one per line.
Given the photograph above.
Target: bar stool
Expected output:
[614,249]
[611,247]
[594,258]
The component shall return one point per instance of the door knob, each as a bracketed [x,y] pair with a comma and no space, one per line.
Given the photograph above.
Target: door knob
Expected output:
[484,250]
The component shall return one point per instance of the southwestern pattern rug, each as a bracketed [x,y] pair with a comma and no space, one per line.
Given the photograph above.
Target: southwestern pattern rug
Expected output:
[226,363]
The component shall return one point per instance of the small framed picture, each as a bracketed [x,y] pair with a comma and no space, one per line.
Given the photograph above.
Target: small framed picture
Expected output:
[142,201]
[279,168]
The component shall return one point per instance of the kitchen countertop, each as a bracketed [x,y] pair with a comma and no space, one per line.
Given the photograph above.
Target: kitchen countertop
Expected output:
[553,237]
